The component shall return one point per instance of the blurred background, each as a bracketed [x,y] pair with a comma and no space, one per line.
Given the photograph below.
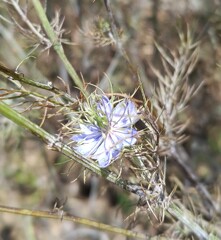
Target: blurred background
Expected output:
[31,176]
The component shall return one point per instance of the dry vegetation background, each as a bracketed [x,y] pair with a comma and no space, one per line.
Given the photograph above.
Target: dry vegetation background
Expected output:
[31,176]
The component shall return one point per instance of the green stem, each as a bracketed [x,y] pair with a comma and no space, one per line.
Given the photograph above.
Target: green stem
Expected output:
[59,146]
[58,46]
[56,215]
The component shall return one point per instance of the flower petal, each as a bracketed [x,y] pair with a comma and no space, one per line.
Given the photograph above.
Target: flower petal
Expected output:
[88,132]
[105,107]
[125,114]
[88,148]
[104,160]
[126,136]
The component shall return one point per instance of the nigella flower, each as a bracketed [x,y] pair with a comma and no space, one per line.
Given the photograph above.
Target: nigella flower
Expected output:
[107,130]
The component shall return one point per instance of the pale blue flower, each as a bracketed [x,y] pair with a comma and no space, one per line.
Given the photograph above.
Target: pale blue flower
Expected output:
[104,135]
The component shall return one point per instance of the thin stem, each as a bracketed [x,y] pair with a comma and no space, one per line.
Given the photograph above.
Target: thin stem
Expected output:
[49,87]
[28,22]
[58,46]
[59,216]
